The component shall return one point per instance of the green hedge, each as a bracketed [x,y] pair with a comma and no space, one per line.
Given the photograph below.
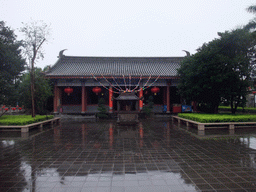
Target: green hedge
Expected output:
[211,118]
[22,119]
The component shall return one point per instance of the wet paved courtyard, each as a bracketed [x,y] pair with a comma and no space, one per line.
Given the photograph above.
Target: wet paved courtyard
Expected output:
[104,157]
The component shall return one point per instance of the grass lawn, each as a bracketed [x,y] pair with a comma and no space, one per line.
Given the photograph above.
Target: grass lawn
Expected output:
[222,117]
[22,119]
[238,108]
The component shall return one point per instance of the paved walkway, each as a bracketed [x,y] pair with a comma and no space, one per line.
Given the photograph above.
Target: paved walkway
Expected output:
[153,156]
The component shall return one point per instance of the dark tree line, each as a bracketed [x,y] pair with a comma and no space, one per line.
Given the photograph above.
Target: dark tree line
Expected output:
[221,70]
[11,64]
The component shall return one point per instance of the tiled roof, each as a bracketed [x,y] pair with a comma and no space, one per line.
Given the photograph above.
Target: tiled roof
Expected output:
[68,66]
[127,96]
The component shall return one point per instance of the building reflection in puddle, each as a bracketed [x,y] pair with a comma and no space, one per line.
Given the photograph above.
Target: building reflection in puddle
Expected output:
[111,136]
[141,134]
[91,154]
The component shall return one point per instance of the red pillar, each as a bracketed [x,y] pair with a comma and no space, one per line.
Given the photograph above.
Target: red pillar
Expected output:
[56,97]
[168,98]
[164,95]
[140,101]
[84,99]
[110,101]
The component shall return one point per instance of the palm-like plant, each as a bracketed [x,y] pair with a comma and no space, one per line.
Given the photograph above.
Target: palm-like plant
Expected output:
[251,9]
[252,24]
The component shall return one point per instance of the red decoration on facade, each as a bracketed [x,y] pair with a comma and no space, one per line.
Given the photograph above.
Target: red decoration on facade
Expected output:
[6,109]
[20,108]
[13,108]
[254,92]
[3,106]
[155,90]
[68,90]
[96,90]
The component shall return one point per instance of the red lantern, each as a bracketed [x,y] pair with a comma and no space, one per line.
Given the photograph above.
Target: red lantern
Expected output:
[68,90]
[3,106]
[20,108]
[155,90]
[6,109]
[13,108]
[96,90]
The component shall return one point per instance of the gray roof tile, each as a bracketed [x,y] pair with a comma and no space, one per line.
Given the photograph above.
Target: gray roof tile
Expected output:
[118,66]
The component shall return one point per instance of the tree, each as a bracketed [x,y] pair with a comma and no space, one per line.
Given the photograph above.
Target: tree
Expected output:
[148,108]
[11,64]
[102,109]
[252,9]
[219,70]
[43,91]
[36,33]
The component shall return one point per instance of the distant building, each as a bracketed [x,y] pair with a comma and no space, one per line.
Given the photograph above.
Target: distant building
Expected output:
[81,81]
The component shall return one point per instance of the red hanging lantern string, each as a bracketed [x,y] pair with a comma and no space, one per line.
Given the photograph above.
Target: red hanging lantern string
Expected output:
[155,90]
[68,90]
[96,90]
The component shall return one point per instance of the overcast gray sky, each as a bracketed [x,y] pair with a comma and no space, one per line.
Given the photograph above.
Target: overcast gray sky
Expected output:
[127,28]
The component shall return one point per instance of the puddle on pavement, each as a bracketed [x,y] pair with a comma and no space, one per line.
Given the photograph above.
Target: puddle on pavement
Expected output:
[103,155]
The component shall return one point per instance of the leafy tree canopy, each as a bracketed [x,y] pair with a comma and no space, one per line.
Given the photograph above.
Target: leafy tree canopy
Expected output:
[221,69]
[36,33]
[43,91]
[11,63]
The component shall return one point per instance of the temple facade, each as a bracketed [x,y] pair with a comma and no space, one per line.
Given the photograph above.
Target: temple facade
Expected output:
[79,82]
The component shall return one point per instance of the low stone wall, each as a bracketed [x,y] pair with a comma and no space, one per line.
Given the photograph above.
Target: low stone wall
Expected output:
[203,126]
[11,110]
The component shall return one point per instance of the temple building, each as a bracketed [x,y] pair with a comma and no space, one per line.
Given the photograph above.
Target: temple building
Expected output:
[79,82]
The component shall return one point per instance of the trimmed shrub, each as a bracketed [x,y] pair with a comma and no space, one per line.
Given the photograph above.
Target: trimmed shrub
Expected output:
[213,118]
[22,119]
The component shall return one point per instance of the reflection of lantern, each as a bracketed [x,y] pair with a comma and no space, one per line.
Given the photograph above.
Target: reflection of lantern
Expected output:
[155,90]
[68,90]
[96,90]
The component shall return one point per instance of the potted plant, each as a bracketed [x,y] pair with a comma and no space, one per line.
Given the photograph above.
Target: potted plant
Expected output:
[102,114]
[148,108]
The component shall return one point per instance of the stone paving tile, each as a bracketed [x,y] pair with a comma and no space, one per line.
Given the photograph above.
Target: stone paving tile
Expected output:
[151,156]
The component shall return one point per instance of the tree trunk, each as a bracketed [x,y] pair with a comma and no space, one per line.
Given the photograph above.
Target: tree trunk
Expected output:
[232,105]
[236,105]
[32,92]
[32,77]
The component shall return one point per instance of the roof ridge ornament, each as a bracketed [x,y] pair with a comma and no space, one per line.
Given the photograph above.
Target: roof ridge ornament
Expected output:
[61,53]
[188,53]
